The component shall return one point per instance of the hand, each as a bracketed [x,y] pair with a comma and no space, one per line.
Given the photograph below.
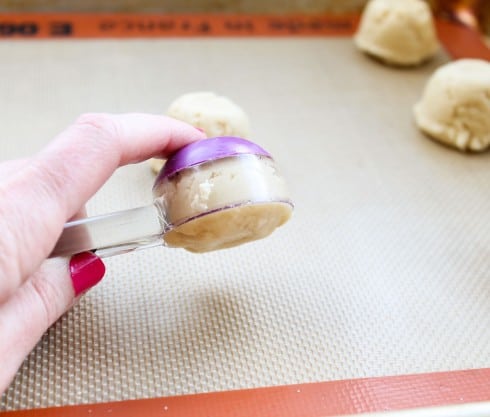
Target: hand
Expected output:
[38,195]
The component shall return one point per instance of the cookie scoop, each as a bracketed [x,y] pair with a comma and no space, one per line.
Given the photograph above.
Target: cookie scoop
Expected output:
[211,194]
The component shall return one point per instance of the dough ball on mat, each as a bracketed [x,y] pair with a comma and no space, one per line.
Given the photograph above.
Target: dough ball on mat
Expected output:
[156,164]
[455,105]
[216,115]
[398,32]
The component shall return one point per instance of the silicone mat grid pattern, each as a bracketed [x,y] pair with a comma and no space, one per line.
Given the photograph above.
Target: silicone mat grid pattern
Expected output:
[383,270]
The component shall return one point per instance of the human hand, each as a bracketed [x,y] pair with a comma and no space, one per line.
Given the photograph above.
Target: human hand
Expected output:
[39,195]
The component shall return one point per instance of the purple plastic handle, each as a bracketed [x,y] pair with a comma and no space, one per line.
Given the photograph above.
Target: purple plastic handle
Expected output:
[208,150]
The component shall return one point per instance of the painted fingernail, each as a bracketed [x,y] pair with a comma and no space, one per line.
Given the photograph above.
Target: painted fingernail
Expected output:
[86,270]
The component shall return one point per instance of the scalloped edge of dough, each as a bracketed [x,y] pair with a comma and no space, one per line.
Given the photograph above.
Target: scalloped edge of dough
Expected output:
[442,133]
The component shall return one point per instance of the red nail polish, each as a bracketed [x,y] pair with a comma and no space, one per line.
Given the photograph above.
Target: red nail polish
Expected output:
[86,270]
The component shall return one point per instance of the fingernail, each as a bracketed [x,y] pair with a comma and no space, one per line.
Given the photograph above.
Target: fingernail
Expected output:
[86,270]
[200,130]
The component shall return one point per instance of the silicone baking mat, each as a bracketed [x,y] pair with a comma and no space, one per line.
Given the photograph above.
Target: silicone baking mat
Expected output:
[383,270]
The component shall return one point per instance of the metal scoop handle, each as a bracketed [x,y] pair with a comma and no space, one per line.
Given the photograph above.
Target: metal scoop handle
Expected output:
[113,233]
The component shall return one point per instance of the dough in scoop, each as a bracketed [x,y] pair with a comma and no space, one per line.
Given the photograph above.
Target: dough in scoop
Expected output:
[398,32]
[230,227]
[224,203]
[216,115]
[455,105]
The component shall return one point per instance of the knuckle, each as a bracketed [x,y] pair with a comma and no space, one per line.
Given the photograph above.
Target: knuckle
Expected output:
[46,295]
[10,266]
[52,181]
[99,124]
[9,274]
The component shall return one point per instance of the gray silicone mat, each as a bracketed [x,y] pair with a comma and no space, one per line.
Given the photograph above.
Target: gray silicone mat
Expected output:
[383,270]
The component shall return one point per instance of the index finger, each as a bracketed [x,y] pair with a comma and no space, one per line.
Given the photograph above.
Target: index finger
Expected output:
[38,200]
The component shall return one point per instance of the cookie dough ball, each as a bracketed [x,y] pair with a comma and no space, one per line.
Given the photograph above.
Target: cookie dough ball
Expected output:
[398,32]
[224,203]
[455,105]
[216,115]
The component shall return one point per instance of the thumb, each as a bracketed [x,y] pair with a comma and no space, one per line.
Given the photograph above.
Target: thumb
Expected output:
[39,302]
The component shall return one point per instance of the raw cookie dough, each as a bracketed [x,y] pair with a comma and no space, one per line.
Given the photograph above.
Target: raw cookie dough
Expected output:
[156,164]
[246,197]
[399,32]
[216,115]
[229,227]
[455,105]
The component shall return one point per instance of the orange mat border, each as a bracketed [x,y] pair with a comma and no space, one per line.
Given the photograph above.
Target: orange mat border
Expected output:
[321,399]
[460,41]
[130,25]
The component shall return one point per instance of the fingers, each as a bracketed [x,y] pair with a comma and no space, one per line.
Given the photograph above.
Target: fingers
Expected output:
[83,157]
[39,199]
[39,303]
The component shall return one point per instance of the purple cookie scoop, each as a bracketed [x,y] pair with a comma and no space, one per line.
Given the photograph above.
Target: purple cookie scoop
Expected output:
[206,150]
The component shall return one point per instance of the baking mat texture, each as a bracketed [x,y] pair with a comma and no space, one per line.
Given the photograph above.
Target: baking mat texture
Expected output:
[383,270]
